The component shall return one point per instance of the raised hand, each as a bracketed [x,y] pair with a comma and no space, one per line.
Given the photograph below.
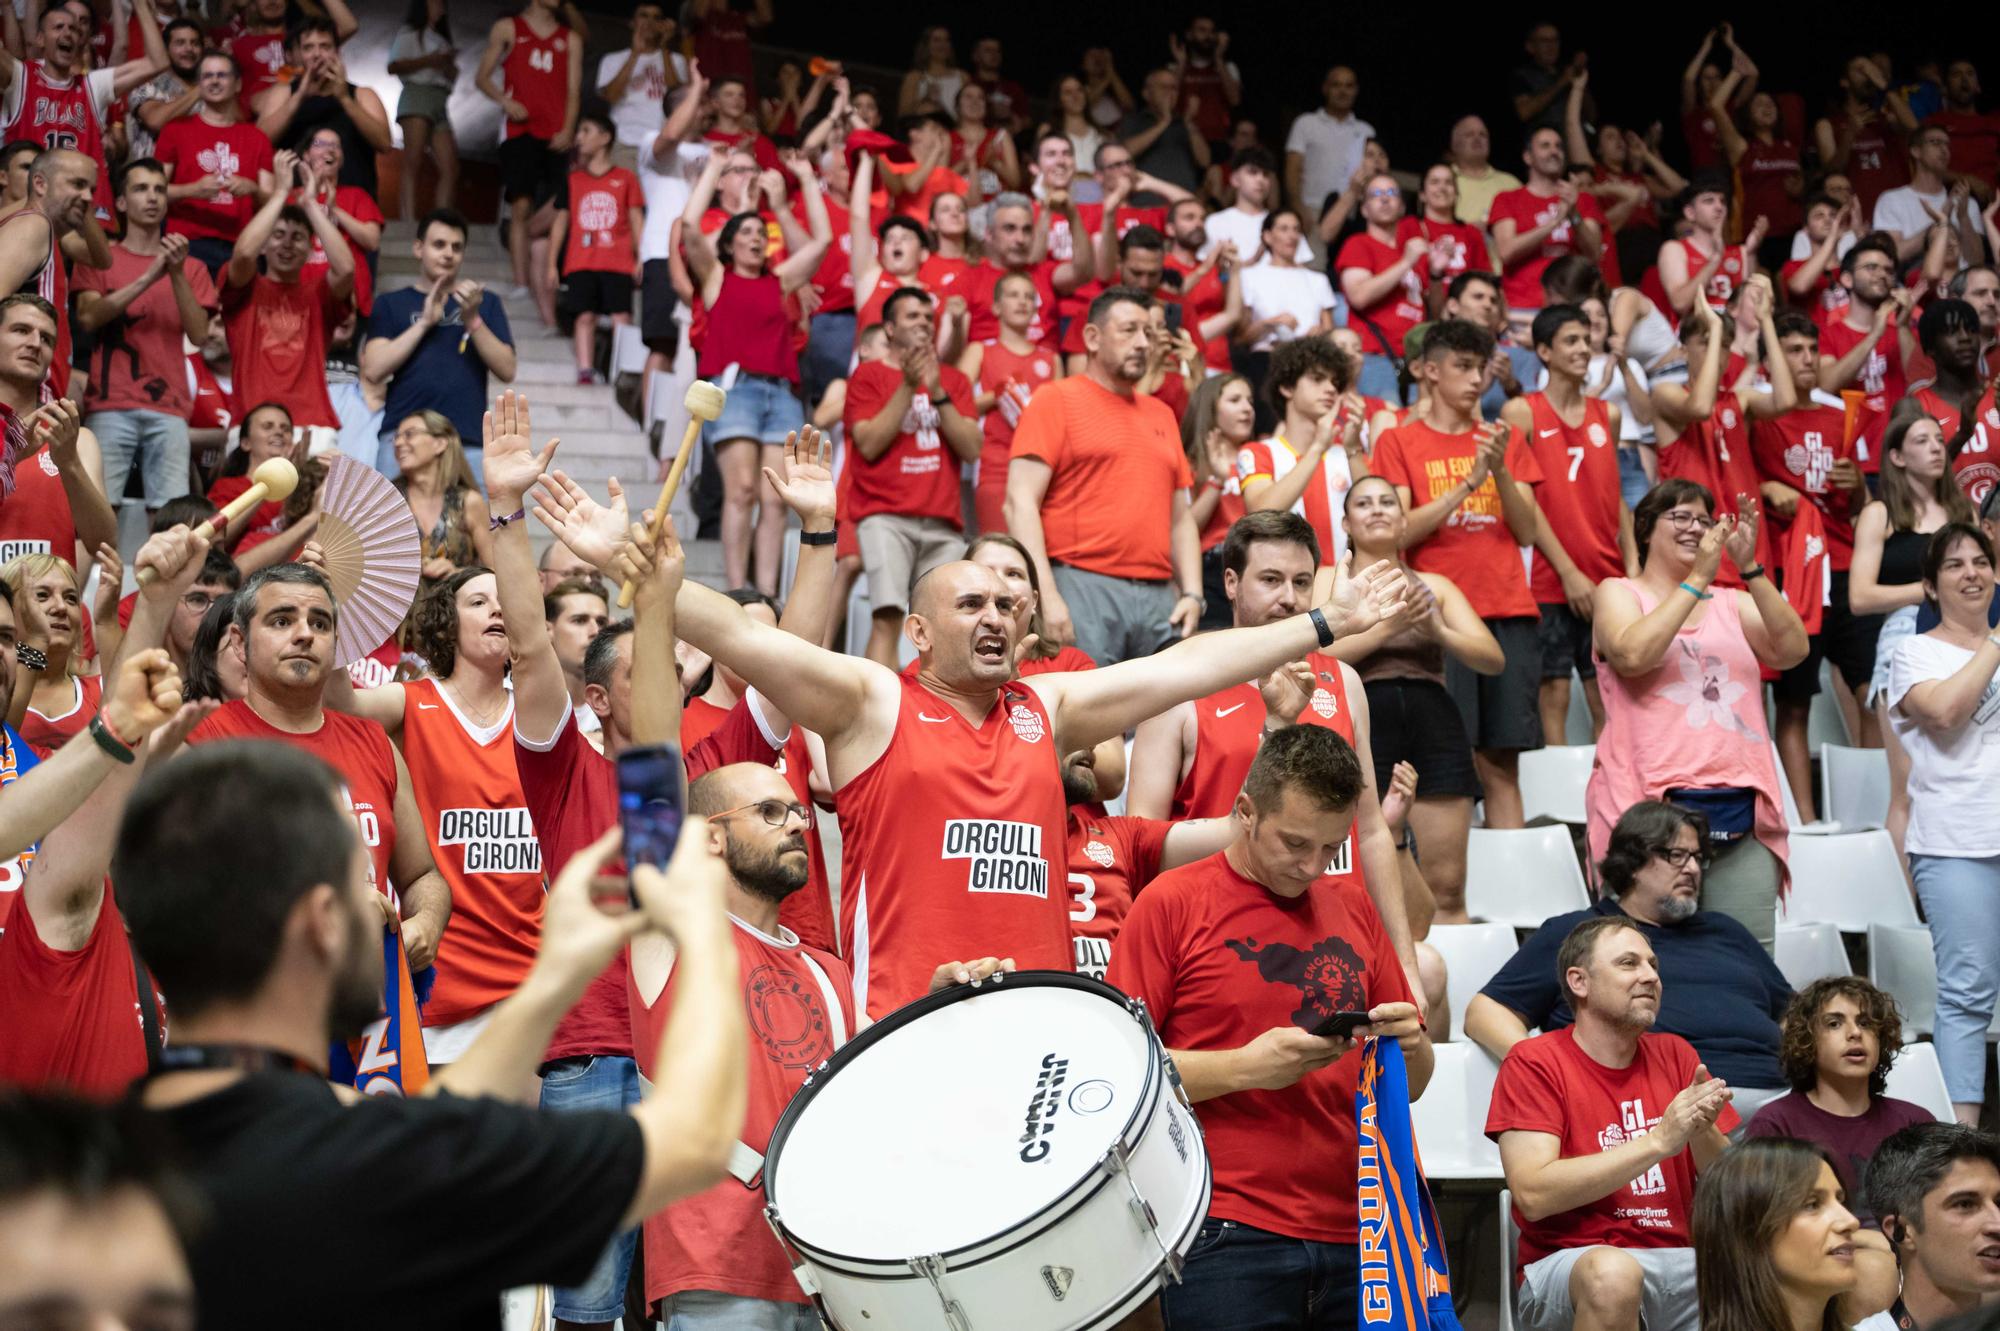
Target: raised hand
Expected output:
[595,531]
[144,696]
[1741,541]
[1361,601]
[656,569]
[55,426]
[176,556]
[803,477]
[512,464]
[1398,798]
[1708,555]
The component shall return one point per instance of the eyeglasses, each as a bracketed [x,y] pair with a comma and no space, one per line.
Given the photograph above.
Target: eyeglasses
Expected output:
[1689,520]
[1385,194]
[1680,857]
[199,602]
[774,812]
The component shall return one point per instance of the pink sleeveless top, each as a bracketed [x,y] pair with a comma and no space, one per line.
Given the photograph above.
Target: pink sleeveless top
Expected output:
[1696,722]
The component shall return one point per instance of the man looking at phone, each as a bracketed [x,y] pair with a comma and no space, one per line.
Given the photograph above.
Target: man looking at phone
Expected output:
[1262,972]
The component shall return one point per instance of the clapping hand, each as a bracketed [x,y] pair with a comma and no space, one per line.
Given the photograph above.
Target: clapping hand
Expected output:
[1740,539]
[1360,601]
[1396,800]
[1286,691]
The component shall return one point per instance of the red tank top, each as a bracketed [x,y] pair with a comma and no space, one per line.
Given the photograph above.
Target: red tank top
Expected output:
[57,113]
[750,328]
[51,283]
[1012,378]
[35,519]
[483,842]
[1723,281]
[1876,162]
[1763,169]
[886,286]
[1579,494]
[537,70]
[953,846]
[45,734]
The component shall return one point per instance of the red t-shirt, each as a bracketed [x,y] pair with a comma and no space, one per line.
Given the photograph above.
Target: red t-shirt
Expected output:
[73,1018]
[918,474]
[718,1240]
[1219,960]
[1521,281]
[983,325]
[1396,313]
[1199,302]
[277,337]
[1549,1085]
[360,205]
[943,276]
[1110,859]
[1883,377]
[572,795]
[1115,465]
[600,222]
[209,407]
[266,520]
[1799,449]
[260,55]
[192,149]
[1579,494]
[1827,305]
[1463,244]
[1474,547]
[138,362]
[758,146]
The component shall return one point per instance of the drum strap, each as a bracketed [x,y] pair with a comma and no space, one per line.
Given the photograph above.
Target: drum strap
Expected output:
[746,1165]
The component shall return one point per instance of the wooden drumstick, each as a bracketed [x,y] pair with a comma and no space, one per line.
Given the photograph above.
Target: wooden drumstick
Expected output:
[274,480]
[704,403]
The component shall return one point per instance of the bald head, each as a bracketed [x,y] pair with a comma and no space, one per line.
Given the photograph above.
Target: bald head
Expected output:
[940,588]
[962,625]
[733,786]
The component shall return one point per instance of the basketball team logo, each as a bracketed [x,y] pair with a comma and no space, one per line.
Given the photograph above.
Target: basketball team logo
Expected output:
[1729,418]
[1026,723]
[1323,703]
[1099,854]
[1598,437]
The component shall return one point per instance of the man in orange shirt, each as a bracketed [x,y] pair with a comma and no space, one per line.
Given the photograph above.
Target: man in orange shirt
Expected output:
[1096,467]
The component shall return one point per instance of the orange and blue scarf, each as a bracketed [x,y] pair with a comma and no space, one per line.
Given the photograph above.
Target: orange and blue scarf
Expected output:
[389,1058]
[1405,1283]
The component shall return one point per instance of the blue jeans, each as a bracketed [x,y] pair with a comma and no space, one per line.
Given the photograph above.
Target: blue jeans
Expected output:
[1378,379]
[757,408]
[1244,1279]
[1632,482]
[829,347]
[1959,897]
[157,442]
[705,1310]
[603,1082]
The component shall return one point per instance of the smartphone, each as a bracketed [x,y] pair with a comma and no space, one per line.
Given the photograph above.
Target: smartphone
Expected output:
[1174,317]
[650,803]
[1340,1025]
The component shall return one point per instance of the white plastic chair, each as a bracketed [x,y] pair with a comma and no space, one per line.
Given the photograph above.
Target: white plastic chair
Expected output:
[1450,1118]
[1552,781]
[1915,1076]
[1473,954]
[1854,786]
[1900,963]
[628,349]
[1808,952]
[1852,880]
[1523,876]
[1510,1247]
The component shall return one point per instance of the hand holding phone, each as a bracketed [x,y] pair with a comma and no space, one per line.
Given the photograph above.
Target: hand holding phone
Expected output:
[1340,1025]
[651,804]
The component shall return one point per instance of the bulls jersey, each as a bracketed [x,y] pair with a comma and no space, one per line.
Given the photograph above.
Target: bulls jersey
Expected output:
[1579,493]
[483,844]
[1325,496]
[62,113]
[950,842]
[35,518]
[1977,466]
[1110,859]
[51,283]
[537,76]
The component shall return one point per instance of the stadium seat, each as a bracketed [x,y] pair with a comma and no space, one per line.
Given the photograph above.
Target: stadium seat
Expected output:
[1853,786]
[1450,1117]
[1510,1246]
[1901,964]
[1473,954]
[1915,1076]
[1522,876]
[1552,781]
[1116,804]
[1808,952]
[1852,880]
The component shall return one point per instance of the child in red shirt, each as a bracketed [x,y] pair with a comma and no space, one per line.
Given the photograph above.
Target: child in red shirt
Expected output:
[596,227]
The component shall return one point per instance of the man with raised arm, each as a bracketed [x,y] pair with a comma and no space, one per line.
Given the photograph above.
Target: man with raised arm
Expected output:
[950,794]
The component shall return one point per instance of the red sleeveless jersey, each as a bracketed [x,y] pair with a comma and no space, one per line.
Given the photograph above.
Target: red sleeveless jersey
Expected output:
[1228,727]
[45,734]
[537,73]
[51,283]
[950,841]
[1977,466]
[35,519]
[483,842]
[1732,272]
[1579,493]
[59,113]
[1110,859]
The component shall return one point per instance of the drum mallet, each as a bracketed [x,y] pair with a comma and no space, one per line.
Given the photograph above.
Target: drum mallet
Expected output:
[704,403]
[275,479]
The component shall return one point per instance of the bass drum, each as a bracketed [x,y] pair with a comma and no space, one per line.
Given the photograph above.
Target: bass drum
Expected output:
[1015,1157]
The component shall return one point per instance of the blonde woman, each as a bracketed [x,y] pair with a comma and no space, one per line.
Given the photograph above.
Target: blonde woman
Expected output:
[437,481]
[53,699]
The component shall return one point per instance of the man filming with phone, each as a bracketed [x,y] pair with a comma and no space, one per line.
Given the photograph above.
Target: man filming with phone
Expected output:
[1262,973]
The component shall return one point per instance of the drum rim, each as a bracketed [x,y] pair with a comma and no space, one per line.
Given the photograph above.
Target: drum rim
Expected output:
[1087,1183]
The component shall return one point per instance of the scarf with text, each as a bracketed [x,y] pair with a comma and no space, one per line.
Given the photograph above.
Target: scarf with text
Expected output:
[1404,1280]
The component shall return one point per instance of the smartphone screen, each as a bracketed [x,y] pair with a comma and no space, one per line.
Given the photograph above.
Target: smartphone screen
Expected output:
[1341,1024]
[650,802]
[1174,313]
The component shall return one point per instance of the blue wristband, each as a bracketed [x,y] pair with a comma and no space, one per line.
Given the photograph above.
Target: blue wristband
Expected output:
[1697,593]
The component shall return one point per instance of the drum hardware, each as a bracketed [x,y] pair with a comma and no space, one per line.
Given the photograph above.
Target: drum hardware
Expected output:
[931,1268]
[1114,1163]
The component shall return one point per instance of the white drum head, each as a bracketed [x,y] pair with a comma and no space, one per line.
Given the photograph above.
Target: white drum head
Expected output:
[961,1125]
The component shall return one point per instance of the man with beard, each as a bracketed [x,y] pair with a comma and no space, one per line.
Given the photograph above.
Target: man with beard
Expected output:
[1539,223]
[1210,305]
[1602,1127]
[265,946]
[1726,996]
[283,623]
[1010,247]
[172,93]
[60,185]
[1872,346]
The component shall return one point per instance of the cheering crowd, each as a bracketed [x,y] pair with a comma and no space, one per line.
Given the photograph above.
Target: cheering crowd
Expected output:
[1225,520]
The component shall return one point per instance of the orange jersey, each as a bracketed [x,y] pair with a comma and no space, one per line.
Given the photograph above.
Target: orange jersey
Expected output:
[950,842]
[483,842]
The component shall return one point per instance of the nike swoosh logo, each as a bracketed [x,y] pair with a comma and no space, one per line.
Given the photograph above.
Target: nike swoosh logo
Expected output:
[1221,712]
[934,720]
[1546,433]
[427,707]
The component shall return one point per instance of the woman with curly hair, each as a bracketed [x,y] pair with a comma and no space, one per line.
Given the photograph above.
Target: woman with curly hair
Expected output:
[1837,1042]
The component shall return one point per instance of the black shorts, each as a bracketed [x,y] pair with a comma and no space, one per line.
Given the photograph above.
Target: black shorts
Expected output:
[1502,711]
[1414,721]
[595,292]
[1844,638]
[529,170]
[1565,639]
[657,302]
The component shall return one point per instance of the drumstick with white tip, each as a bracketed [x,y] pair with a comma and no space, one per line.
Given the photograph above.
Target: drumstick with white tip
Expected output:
[275,479]
[704,403]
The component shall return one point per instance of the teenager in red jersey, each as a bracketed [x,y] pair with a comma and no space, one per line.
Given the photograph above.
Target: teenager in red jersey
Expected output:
[1383,274]
[1585,534]
[1221,418]
[1702,264]
[280,316]
[1240,958]
[1862,135]
[57,504]
[1006,370]
[1872,345]
[596,233]
[1542,221]
[1948,332]
[888,253]
[1316,453]
[1812,283]
[542,61]
[61,184]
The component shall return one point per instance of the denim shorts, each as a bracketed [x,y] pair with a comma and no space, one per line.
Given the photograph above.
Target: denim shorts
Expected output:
[705,1310]
[156,442]
[604,1082]
[758,408]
